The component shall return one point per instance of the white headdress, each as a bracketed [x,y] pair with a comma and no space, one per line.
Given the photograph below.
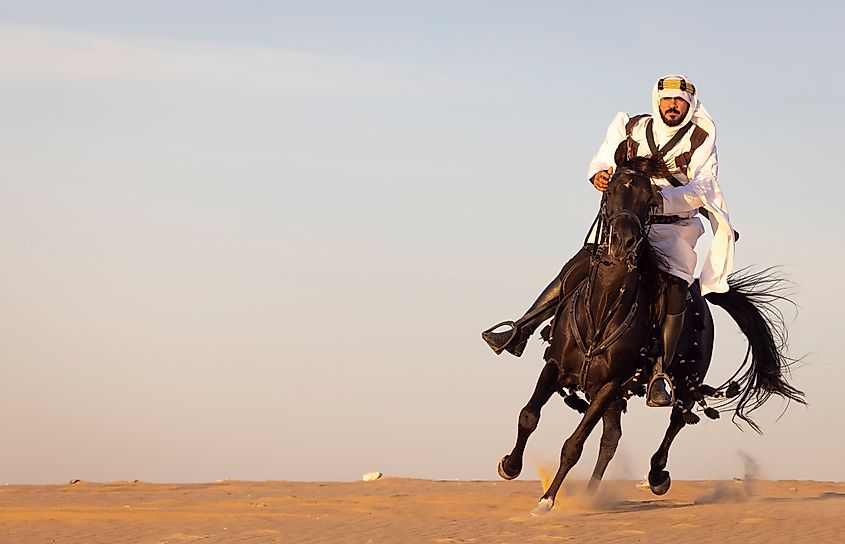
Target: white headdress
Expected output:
[678,85]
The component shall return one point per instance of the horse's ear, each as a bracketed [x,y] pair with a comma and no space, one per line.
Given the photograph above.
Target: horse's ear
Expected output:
[621,154]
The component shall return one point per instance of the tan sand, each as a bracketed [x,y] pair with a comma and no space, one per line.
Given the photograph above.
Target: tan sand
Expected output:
[407,511]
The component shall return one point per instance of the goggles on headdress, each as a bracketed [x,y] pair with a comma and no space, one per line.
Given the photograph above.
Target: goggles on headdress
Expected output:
[676,84]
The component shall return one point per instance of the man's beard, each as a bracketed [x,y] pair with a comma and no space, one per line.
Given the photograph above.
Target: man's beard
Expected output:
[670,123]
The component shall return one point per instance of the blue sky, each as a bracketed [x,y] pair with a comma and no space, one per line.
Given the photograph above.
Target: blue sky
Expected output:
[261,242]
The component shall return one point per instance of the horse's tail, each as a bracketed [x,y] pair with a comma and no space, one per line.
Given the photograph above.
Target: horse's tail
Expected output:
[750,301]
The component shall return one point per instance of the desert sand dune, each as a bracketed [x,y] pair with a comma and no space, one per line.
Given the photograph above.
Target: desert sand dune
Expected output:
[404,510]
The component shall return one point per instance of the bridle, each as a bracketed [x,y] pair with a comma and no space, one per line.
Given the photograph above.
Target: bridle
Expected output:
[603,225]
[632,254]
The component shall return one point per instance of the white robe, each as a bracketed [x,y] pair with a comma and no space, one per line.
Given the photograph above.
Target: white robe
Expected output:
[701,190]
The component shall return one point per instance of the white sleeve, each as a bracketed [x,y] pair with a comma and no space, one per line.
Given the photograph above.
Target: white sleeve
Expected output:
[615,134]
[701,190]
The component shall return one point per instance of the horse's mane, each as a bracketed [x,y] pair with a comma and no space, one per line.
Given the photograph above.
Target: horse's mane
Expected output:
[650,167]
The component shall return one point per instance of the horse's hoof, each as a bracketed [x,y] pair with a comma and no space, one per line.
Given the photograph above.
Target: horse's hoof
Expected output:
[663,487]
[503,472]
[543,507]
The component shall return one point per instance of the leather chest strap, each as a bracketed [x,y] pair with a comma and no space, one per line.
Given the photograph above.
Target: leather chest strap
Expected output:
[649,135]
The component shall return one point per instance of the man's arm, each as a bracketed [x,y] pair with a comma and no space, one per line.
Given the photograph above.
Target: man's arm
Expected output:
[603,163]
[701,188]
[704,189]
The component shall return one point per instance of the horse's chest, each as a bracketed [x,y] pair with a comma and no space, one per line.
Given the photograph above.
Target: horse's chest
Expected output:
[590,351]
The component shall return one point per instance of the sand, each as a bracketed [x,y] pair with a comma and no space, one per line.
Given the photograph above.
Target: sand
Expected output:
[405,510]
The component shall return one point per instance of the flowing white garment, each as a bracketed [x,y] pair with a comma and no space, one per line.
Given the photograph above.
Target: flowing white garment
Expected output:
[701,190]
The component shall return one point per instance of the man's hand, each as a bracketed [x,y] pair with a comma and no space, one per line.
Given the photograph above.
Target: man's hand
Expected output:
[601,178]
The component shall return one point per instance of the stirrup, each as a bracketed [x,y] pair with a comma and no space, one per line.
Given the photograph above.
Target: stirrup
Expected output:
[665,377]
[485,335]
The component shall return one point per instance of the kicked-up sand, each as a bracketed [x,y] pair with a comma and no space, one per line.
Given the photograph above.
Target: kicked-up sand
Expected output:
[401,510]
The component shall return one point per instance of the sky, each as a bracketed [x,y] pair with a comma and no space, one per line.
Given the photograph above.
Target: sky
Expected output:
[260,241]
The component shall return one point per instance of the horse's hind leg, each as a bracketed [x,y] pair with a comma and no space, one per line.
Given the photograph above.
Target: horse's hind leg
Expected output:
[511,465]
[658,478]
[611,433]
[574,445]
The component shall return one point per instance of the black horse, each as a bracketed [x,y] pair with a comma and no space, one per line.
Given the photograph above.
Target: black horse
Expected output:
[603,341]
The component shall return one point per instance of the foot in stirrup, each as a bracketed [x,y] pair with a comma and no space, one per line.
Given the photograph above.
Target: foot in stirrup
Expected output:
[513,341]
[661,393]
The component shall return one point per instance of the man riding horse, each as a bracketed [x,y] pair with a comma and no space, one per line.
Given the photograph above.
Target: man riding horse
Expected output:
[681,133]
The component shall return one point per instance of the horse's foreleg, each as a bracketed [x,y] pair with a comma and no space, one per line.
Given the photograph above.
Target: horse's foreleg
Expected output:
[658,478]
[511,465]
[574,445]
[611,433]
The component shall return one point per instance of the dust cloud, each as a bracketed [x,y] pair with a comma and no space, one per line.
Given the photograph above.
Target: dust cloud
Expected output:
[737,491]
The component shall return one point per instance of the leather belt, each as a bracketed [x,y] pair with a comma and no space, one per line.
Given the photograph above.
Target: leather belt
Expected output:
[665,219]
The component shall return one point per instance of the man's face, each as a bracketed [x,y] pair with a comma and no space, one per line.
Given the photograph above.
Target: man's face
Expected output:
[673,110]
